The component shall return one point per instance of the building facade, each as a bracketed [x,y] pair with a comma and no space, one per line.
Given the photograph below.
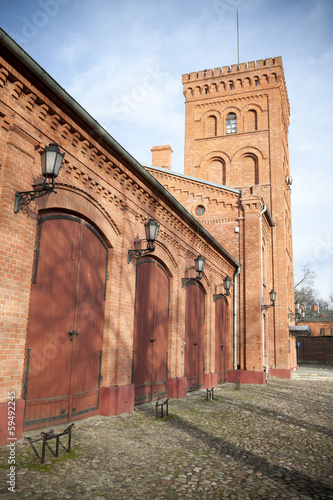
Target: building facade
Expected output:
[84,327]
[237,184]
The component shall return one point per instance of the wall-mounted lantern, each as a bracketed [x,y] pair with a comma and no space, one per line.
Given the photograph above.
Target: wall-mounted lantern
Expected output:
[227,284]
[51,160]
[298,314]
[272,296]
[151,230]
[199,263]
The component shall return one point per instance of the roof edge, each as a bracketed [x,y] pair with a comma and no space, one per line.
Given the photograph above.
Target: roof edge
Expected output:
[40,73]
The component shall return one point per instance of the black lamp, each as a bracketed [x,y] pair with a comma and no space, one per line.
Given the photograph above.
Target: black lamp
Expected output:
[227,285]
[151,230]
[272,296]
[51,160]
[199,264]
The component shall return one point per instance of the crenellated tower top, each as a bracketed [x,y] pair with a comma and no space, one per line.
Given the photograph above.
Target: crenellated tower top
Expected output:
[242,78]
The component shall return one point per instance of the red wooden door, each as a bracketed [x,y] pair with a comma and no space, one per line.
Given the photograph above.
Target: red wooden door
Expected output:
[65,325]
[221,350]
[194,337]
[151,325]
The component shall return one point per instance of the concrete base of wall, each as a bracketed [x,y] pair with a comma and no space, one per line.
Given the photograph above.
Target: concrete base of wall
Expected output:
[210,380]
[247,377]
[279,373]
[177,387]
[116,399]
[5,437]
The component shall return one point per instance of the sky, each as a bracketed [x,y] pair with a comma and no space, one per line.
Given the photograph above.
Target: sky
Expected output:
[123,62]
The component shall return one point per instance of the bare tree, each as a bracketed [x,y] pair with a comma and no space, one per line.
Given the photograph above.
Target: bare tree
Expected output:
[305,293]
[306,277]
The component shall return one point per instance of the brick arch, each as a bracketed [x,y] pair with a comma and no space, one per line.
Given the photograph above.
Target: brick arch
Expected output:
[245,116]
[205,127]
[248,150]
[80,203]
[164,257]
[217,170]
[273,78]
[221,87]
[251,120]
[248,170]
[247,82]
[210,126]
[207,161]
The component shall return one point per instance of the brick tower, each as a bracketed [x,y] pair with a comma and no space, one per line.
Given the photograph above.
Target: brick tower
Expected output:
[236,135]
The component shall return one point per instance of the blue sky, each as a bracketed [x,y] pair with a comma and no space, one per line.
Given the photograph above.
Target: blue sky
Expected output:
[123,61]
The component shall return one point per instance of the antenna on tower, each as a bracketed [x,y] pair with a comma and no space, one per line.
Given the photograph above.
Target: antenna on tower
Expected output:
[237,41]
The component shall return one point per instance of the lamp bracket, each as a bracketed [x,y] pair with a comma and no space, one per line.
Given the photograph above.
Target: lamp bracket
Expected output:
[264,307]
[25,197]
[135,254]
[217,296]
[188,281]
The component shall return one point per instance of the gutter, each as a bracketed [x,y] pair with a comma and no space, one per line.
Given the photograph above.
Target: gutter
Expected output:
[60,92]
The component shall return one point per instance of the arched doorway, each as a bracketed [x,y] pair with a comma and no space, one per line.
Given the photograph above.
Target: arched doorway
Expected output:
[194,336]
[151,325]
[66,319]
[221,347]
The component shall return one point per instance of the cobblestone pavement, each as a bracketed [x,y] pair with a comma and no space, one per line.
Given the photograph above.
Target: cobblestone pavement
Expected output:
[258,442]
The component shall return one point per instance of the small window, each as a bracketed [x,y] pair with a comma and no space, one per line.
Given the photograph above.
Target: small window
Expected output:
[231,123]
[200,210]
[322,331]
[331,332]
[256,81]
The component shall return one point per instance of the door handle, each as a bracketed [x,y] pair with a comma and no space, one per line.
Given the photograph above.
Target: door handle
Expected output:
[72,332]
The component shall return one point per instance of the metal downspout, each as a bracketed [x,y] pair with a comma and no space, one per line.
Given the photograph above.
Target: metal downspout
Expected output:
[236,274]
[262,292]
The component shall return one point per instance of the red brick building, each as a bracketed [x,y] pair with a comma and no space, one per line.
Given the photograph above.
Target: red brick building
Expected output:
[83,328]
[237,184]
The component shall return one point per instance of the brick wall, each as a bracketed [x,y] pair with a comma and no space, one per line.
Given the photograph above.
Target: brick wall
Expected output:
[315,349]
[101,185]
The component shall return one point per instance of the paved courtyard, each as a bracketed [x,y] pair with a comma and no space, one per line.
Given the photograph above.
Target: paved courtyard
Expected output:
[255,442]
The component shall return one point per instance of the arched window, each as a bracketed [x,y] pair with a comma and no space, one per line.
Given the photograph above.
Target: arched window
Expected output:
[231,123]
[211,126]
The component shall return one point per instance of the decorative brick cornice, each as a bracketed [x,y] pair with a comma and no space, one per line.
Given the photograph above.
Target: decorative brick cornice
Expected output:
[231,100]
[98,188]
[196,189]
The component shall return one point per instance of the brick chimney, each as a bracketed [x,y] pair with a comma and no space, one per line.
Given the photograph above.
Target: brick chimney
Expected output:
[161,156]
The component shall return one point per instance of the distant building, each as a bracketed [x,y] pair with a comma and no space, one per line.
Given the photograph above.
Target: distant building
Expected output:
[316,345]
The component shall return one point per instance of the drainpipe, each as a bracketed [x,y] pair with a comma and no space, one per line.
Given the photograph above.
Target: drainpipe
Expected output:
[262,292]
[236,274]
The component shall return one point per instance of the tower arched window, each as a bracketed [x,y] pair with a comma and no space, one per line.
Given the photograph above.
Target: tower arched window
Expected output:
[231,127]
